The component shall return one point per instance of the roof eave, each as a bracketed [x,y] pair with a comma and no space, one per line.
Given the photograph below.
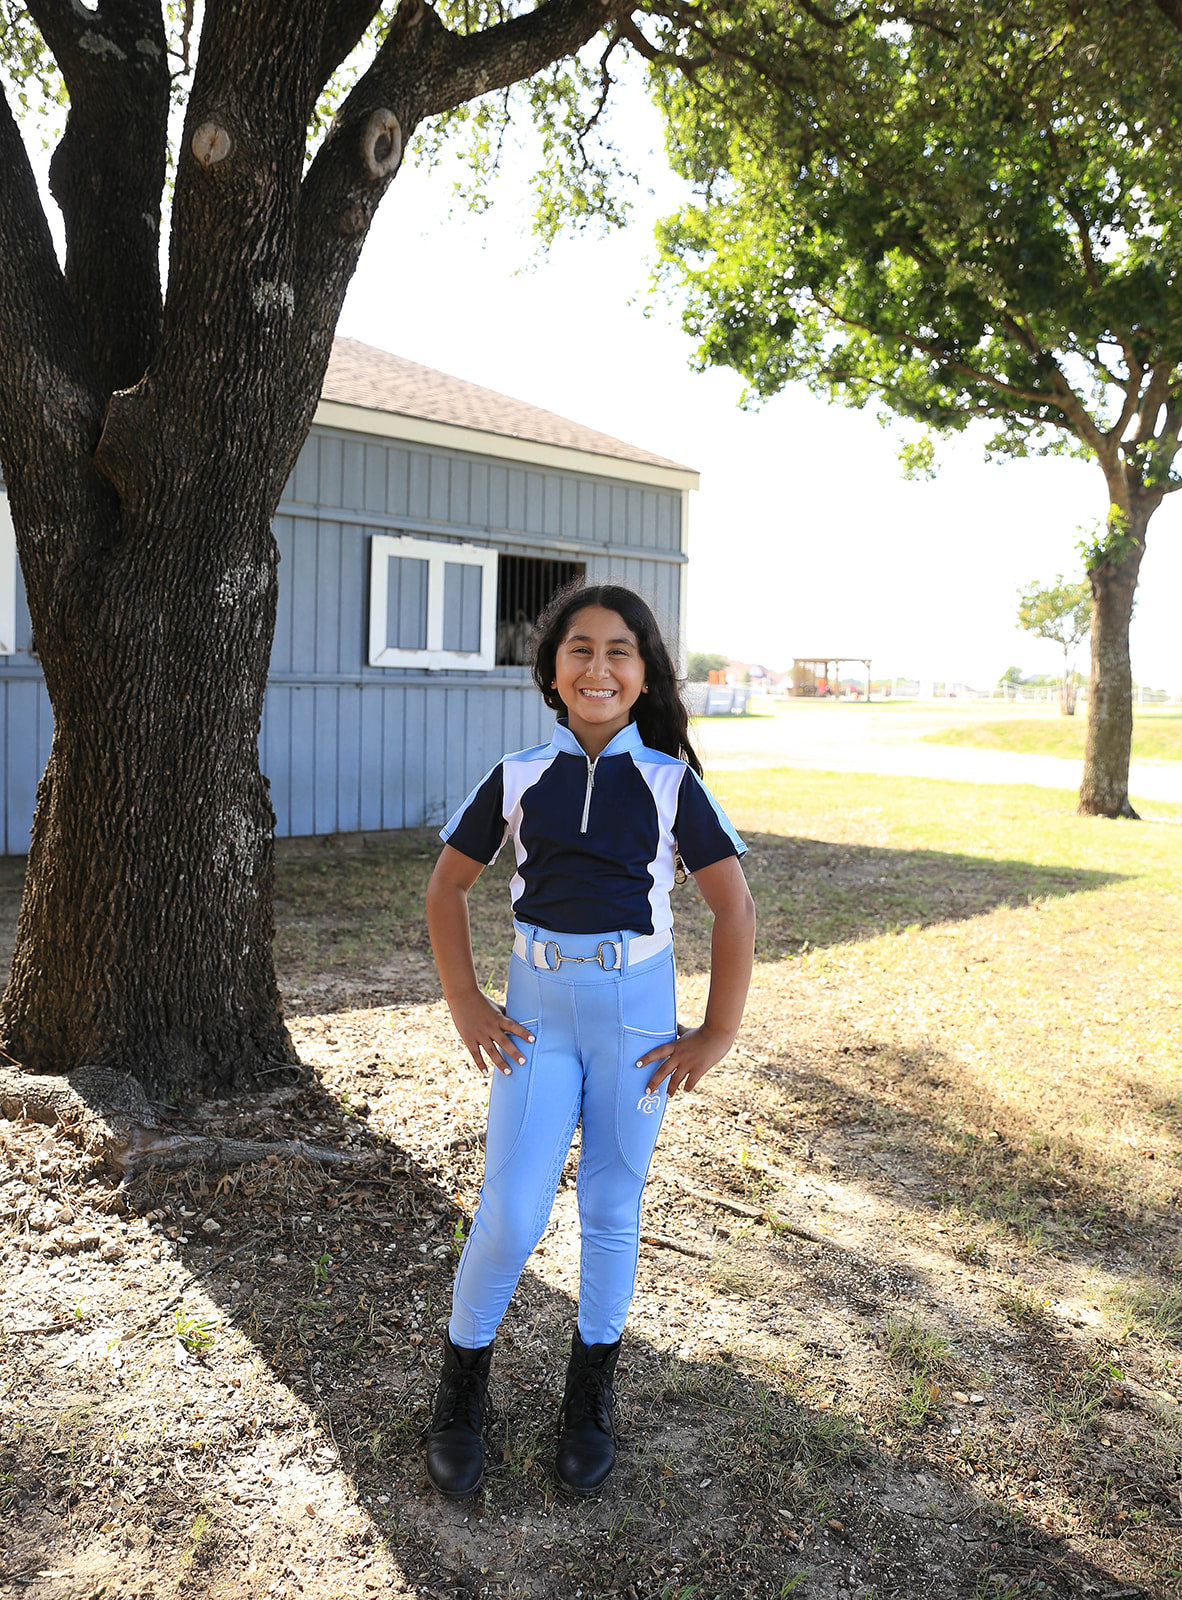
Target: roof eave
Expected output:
[506,447]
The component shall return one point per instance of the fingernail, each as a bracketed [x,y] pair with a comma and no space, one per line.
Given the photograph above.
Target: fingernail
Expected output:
[508,1071]
[529,1038]
[640,1063]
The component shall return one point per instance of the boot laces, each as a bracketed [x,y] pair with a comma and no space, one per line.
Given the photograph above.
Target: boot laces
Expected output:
[462,1403]
[588,1399]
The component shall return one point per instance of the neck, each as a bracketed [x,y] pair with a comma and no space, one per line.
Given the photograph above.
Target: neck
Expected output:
[594,742]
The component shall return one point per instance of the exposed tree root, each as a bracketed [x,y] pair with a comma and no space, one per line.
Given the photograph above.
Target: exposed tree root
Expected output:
[113,1120]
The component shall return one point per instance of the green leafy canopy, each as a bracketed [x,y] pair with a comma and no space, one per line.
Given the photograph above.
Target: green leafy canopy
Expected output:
[966,216]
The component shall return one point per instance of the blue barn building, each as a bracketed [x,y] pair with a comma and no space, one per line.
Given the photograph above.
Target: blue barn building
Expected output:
[426,523]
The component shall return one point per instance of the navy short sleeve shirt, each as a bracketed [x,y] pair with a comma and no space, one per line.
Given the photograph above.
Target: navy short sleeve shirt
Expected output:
[596,841]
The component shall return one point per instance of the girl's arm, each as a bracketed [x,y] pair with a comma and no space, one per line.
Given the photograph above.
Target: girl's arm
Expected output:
[732,951]
[483,1026]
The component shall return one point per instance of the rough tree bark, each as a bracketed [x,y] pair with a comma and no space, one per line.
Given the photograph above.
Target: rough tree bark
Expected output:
[144,443]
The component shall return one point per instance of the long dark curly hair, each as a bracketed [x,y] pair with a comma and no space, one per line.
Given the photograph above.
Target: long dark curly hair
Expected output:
[659,715]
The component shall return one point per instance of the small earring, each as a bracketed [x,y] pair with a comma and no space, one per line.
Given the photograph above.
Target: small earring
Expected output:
[644,688]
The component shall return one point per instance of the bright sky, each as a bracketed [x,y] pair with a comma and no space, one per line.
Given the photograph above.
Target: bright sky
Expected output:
[803,537]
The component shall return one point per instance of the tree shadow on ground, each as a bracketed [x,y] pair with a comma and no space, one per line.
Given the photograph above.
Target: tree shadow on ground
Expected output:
[811,893]
[940,1133]
[738,1469]
[355,903]
[352,904]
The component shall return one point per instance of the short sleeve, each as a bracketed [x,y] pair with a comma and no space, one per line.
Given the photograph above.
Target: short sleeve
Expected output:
[478,827]
[703,833]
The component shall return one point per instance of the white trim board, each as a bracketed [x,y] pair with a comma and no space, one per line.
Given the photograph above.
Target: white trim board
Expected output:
[7,579]
[450,436]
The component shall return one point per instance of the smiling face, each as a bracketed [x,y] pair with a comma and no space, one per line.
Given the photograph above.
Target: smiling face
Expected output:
[599,675]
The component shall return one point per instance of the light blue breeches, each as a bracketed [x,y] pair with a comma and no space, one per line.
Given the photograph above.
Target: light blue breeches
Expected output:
[590,1028]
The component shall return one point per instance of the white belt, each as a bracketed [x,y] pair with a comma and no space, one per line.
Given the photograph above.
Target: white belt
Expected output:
[548,955]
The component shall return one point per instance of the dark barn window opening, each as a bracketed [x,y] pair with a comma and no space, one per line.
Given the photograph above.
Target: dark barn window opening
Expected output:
[524,585]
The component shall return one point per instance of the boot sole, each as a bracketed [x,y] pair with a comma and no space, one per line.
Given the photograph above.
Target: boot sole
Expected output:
[455,1494]
[582,1494]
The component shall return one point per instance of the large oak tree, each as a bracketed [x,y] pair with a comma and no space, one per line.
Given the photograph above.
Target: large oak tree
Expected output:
[956,211]
[146,432]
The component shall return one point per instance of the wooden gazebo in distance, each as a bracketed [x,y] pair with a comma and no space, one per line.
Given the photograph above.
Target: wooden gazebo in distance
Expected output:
[812,678]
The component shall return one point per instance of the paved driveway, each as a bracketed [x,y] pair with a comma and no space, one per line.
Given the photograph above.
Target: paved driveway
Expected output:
[865,738]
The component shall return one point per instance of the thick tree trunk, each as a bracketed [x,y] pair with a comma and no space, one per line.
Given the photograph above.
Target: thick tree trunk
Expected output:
[144,449]
[144,939]
[1105,788]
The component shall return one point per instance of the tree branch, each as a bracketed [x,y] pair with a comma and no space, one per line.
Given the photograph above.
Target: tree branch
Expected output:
[51,397]
[48,386]
[1157,393]
[107,174]
[931,348]
[466,66]
[422,69]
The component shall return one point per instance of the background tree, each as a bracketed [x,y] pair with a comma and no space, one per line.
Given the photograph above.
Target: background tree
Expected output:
[145,436]
[964,213]
[701,663]
[1063,614]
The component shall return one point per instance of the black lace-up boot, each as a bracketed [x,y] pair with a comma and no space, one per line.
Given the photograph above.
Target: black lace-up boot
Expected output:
[455,1444]
[586,1436]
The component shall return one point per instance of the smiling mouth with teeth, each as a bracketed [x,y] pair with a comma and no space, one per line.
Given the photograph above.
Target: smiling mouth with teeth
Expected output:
[598,694]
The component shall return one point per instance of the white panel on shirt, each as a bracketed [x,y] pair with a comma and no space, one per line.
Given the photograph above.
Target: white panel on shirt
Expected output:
[519,776]
[663,778]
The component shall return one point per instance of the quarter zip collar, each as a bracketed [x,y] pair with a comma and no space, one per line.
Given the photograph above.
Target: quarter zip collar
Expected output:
[623,743]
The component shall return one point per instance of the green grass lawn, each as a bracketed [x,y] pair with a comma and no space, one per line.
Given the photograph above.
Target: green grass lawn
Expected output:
[1157,736]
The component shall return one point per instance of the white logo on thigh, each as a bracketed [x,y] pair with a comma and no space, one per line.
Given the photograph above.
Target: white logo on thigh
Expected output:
[649,1102]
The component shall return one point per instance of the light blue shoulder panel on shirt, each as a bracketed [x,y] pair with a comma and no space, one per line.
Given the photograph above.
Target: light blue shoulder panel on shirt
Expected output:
[724,822]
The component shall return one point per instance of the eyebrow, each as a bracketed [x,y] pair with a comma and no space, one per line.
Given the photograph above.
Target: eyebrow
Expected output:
[585,638]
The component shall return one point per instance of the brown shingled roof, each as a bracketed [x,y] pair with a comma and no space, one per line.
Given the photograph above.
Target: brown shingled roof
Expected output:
[359,375]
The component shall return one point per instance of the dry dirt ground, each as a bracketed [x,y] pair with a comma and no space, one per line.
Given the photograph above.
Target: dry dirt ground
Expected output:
[843,1377]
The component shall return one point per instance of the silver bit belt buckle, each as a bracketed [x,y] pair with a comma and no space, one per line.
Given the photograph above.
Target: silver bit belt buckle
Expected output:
[559,958]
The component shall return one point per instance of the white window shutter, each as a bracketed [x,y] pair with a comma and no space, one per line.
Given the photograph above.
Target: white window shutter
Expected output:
[407,629]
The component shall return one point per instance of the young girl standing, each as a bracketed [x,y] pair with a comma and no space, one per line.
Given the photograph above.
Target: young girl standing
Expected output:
[598,819]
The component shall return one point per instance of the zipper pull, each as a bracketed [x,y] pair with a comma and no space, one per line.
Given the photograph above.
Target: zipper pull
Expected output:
[587,798]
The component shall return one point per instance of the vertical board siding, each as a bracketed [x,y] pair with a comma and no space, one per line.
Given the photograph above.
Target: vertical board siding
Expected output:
[301,762]
[331,472]
[303,576]
[346,746]
[327,599]
[28,730]
[413,751]
[376,457]
[395,758]
[398,492]
[281,648]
